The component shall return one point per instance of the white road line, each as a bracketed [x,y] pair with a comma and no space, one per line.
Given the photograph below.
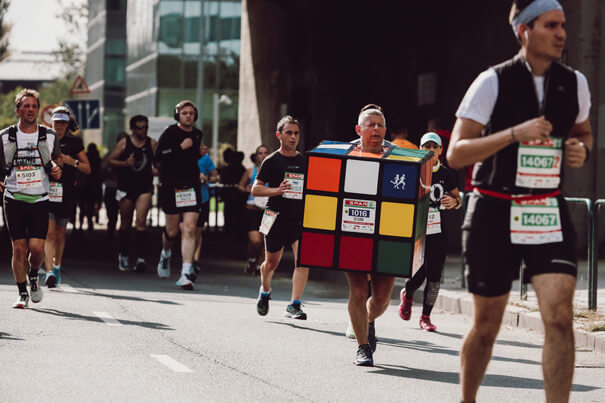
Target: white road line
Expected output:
[107,318]
[170,363]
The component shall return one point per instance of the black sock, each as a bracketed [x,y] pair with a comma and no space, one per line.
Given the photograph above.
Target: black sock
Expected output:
[22,287]
[140,238]
[124,240]
[32,273]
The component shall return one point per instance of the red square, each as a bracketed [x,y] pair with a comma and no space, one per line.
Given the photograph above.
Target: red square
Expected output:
[316,249]
[356,253]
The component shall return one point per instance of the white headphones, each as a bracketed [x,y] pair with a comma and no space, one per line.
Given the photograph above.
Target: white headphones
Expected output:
[526,35]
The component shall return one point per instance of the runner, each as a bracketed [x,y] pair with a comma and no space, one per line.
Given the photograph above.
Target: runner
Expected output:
[534,111]
[208,174]
[280,178]
[29,154]
[254,213]
[133,156]
[63,193]
[180,193]
[444,196]
[368,301]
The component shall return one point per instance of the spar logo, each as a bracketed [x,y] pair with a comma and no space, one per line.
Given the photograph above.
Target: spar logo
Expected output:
[398,181]
[357,203]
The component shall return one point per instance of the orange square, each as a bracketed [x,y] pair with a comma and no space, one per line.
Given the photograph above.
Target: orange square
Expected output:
[324,174]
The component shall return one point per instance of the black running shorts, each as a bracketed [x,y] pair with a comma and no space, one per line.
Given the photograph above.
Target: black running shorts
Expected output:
[493,262]
[254,216]
[167,200]
[284,232]
[26,220]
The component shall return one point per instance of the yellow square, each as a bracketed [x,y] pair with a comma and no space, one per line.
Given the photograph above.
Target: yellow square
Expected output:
[396,219]
[320,212]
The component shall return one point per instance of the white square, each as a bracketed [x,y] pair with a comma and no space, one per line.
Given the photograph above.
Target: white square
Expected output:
[362,177]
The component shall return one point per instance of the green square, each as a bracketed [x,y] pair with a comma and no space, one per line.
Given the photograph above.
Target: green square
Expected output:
[394,258]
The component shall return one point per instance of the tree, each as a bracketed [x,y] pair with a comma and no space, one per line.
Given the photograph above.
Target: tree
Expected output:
[70,52]
[4,29]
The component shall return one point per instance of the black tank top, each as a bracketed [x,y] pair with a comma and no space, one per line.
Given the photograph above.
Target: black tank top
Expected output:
[140,175]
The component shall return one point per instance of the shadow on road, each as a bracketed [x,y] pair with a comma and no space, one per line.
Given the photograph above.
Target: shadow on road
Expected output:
[501,342]
[75,316]
[8,336]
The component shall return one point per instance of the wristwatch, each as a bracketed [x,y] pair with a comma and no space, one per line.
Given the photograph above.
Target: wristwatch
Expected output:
[76,163]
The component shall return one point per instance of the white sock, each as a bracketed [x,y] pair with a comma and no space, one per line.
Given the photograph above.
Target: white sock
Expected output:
[56,267]
[187,268]
[166,253]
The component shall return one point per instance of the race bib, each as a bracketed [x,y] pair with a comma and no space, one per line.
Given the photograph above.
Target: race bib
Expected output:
[296,181]
[433,225]
[29,177]
[269,217]
[185,197]
[535,222]
[358,216]
[55,193]
[539,164]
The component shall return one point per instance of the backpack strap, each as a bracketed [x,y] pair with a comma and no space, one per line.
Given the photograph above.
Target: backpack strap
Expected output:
[45,155]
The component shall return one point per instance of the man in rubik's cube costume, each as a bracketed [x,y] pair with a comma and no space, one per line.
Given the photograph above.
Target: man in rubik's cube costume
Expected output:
[365,212]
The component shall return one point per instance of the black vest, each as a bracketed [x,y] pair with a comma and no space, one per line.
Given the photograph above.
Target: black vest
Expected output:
[518,102]
[140,175]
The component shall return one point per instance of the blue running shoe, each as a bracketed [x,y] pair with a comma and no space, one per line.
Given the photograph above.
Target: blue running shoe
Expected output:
[57,273]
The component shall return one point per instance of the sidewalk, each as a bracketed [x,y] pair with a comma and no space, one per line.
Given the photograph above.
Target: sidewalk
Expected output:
[524,313]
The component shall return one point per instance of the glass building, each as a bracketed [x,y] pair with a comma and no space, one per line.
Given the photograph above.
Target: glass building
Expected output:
[106,62]
[184,49]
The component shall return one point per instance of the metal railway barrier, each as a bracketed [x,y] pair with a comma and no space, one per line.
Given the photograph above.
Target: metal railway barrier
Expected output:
[592,212]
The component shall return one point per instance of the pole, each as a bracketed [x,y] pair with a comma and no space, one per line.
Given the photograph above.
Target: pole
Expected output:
[215,105]
[200,69]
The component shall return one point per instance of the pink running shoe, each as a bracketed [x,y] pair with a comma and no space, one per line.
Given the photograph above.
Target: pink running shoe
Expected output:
[405,307]
[425,324]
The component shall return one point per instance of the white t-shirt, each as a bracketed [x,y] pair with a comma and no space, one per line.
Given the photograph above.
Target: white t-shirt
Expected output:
[27,148]
[480,98]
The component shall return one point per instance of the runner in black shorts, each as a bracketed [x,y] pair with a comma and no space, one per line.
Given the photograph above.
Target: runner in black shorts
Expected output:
[63,193]
[283,172]
[180,194]
[519,122]
[133,156]
[444,196]
[208,174]
[29,155]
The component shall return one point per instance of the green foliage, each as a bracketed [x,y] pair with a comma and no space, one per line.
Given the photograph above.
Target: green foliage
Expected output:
[70,53]
[4,29]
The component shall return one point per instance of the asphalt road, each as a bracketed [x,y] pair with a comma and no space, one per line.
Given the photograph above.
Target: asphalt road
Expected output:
[106,336]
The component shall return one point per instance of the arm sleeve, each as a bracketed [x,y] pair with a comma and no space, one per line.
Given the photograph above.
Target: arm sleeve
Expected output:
[164,151]
[583,97]
[78,145]
[480,98]
[263,172]
[56,147]
[450,181]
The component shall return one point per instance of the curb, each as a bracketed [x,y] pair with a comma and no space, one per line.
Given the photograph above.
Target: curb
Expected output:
[462,303]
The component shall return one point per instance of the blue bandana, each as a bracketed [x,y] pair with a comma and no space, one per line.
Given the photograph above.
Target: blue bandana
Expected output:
[534,10]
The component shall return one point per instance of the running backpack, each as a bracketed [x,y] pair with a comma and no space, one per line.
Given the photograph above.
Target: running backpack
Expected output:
[7,155]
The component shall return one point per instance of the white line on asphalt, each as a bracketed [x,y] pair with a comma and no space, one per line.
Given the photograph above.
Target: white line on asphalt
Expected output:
[107,318]
[170,363]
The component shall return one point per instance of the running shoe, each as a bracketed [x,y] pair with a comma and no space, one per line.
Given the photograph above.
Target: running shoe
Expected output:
[250,268]
[425,324]
[22,301]
[197,267]
[350,333]
[164,267]
[372,336]
[57,273]
[257,271]
[123,262]
[405,306]
[50,280]
[293,311]
[364,356]
[262,305]
[140,265]
[35,290]
[184,282]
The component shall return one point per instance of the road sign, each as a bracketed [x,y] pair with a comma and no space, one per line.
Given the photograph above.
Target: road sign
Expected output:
[86,111]
[47,114]
[80,87]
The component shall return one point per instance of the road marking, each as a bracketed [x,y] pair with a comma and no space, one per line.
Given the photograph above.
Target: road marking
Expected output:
[170,363]
[107,318]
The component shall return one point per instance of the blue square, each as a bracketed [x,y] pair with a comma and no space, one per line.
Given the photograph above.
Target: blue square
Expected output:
[399,181]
